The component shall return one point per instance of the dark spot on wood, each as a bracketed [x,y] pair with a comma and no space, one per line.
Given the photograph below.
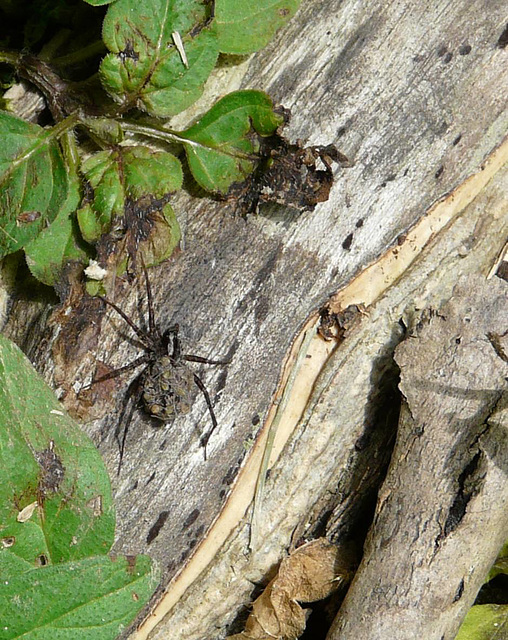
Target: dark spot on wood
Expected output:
[151,478]
[390,178]
[255,419]
[359,223]
[459,592]
[503,38]
[439,172]
[497,344]
[157,526]
[457,140]
[134,486]
[341,131]
[502,271]
[448,57]
[401,239]
[193,543]
[441,51]
[230,475]
[465,49]
[200,530]
[191,518]
[469,484]
[346,245]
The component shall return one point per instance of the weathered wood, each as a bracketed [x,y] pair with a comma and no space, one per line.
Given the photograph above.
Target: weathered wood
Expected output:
[442,515]
[410,93]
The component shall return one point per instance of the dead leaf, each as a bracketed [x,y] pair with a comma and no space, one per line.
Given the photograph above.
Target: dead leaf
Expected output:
[312,572]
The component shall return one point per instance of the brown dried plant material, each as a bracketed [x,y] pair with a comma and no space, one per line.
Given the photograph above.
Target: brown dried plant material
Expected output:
[312,572]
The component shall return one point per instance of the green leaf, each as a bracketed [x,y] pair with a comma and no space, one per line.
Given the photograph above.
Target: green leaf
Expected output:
[485,622]
[244,26]
[145,68]
[221,148]
[500,565]
[59,243]
[92,599]
[122,174]
[33,181]
[163,238]
[48,465]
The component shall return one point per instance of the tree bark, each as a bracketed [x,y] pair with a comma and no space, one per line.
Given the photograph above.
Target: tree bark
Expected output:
[413,95]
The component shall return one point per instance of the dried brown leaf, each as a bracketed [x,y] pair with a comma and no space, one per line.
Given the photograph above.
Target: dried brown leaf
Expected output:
[312,572]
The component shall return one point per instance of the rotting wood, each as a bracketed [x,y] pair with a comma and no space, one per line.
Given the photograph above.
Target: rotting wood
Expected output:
[391,87]
[328,408]
[442,514]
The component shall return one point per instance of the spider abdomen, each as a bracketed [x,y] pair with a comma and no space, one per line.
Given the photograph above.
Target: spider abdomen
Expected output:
[167,389]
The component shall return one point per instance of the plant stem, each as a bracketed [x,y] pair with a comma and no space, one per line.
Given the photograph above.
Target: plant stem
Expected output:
[9,57]
[93,49]
[152,131]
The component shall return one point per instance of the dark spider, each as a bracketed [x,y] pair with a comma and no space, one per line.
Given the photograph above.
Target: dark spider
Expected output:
[165,384]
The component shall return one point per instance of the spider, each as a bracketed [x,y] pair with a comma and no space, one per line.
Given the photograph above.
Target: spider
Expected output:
[165,384]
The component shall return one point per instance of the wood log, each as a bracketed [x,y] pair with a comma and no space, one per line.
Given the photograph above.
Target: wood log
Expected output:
[414,95]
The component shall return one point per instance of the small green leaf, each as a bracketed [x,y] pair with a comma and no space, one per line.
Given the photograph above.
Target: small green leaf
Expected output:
[245,26]
[485,622]
[121,174]
[33,181]
[163,238]
[55,496]
[92,599]
[59,243]
[221,148]
[145,69]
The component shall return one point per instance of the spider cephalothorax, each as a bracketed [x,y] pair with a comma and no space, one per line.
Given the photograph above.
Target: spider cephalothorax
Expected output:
[165,384]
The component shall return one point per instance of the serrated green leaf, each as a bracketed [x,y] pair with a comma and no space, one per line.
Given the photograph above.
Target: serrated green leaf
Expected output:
[244,26]
[163,238]
[485,622]
[93,599]
[48,465]
[121,174]
[221,146]
[145,69]
[59,243]
[33,181]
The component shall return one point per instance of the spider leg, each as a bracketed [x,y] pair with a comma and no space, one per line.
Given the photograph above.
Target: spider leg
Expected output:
[190,358]
[202,388]
[145,338]
[151,317]
[134,393]
[120,370]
